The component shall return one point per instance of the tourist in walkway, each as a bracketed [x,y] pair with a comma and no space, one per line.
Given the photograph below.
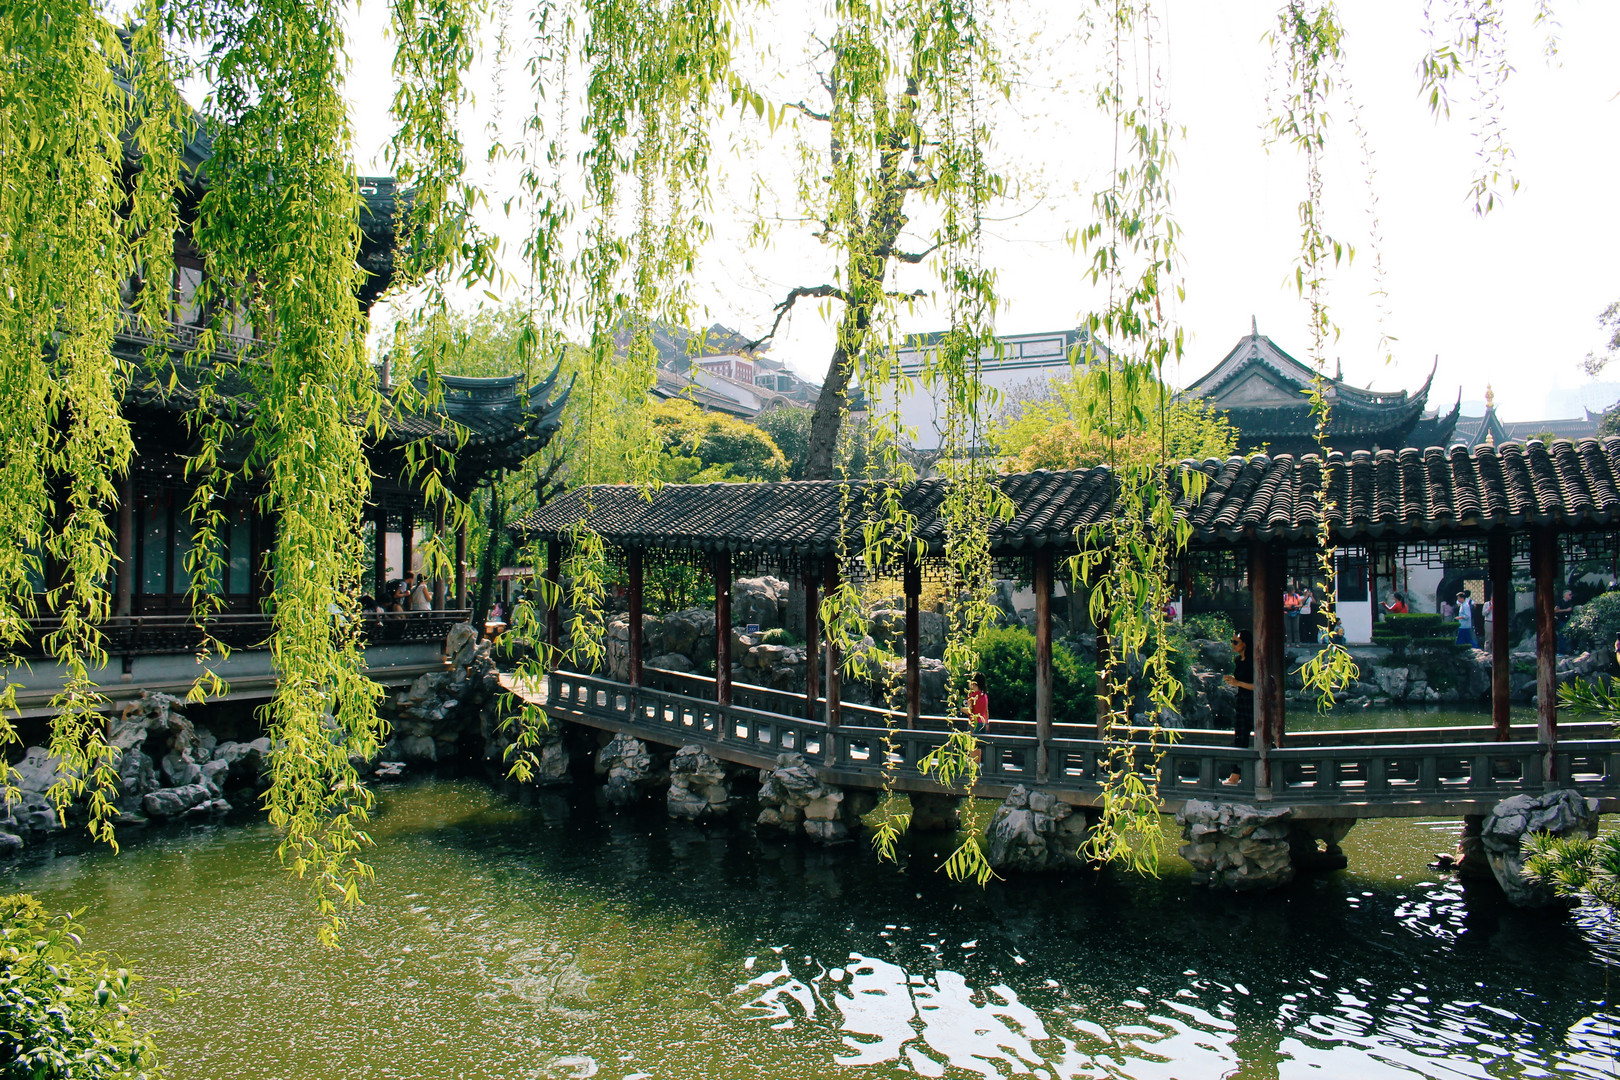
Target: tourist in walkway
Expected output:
[1465,621]
[419,598]
[1291,602]
[1396,606]
[1242,678]
[1488,610]
[1307,613]
[1561,613]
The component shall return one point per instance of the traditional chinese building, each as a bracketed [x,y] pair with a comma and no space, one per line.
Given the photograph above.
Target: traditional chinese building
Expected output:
[486,424]
[1266,394]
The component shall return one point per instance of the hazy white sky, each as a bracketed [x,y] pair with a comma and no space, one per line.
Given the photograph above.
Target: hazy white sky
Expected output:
[1509,300]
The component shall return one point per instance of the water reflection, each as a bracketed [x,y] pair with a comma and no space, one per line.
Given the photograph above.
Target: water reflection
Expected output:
[559,941]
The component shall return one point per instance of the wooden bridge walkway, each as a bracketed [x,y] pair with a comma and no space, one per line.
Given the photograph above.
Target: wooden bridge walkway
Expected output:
[1404,772]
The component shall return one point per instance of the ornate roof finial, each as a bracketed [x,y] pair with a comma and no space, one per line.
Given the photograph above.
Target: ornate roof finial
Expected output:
[1490,398]
[1254,325]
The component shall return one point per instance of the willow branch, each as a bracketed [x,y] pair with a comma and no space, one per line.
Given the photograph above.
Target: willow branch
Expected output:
[793,297]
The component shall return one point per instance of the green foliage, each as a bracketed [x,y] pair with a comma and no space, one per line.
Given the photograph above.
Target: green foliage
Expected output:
[1211,626]
[1415,628]
[789,427]
[1006,658]
[1579,867]
[780,635]
[1595,623]
[1083,415]
[63,1011]
[702,447]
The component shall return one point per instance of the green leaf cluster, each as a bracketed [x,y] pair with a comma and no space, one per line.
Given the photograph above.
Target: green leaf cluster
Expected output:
[1006,656]
[702,447]
[64,1011]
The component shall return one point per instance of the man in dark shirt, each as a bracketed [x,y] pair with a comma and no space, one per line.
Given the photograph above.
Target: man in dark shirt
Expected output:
[1242,678]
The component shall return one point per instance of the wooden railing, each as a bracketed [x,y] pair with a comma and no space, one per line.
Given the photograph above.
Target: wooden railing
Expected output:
[156,635]
[1452,765]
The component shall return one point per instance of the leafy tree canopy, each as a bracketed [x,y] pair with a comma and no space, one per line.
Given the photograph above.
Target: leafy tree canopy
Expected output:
[701,447]
[1082,419]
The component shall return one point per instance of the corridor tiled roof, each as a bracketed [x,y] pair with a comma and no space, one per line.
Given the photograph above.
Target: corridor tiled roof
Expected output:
[1387,494]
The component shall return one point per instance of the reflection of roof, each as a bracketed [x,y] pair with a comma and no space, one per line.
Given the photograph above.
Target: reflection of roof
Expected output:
[1388,494]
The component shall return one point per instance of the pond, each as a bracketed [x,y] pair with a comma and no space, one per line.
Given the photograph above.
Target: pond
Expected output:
[563,940]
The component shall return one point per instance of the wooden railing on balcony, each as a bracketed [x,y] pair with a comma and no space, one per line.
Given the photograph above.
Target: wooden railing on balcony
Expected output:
[155,635]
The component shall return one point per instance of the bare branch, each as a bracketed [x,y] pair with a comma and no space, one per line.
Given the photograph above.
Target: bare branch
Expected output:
[793,297]
[807,110]
[913,257]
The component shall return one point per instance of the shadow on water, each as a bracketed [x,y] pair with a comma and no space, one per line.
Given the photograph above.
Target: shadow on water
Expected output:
[559,940]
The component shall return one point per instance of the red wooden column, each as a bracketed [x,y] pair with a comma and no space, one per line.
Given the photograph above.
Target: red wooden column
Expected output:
[722,628]
[1544,564]
[913,589]
[407,541]
[1043,664]
[553,600]
[438,578]
[835,709]
[1267,629]
[379,554]
[462,601]
[812,645]
[1279,690]
[1500,558]
[126,546]
[637,583]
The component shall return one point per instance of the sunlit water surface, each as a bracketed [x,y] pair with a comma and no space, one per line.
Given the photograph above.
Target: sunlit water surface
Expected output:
[559,940]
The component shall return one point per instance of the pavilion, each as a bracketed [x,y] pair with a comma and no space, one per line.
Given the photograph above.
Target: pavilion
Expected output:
[1529,505]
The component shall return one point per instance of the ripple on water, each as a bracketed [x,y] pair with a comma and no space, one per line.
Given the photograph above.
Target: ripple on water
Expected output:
[500,942]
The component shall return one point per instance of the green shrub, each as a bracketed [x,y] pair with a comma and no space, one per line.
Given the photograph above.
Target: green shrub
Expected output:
[1007,661]
[1595,623]
[1419,626]
[63,1011]
[1210,626]
[780,635]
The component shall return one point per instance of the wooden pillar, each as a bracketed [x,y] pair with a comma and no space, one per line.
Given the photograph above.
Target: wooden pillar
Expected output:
[1500,557]
[812,645]
[1267,628]
[553,599]
[379,556]
[1544,564]
[1043,664]
[407,541]
[126,547]
[439,584]
[722,628]
[636,587]
[835,709]
[461,567]
[1279,668]
[913,589]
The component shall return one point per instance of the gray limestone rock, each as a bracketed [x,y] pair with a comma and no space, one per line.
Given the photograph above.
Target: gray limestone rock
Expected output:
[136,776]
[460,644]
[215,775]
[179,770]
[172,802]
[1033,830]
[793,800]
[11,845]
[685,630]
[1562,812]
[244,761]
[697,785]
[417,748]
[38,770]
[628,768]
[761,600]
[1236,846]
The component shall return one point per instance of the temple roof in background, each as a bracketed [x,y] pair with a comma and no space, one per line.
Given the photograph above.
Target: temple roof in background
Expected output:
[1264,392]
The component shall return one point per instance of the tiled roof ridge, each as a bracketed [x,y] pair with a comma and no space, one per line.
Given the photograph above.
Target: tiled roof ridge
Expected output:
[1385,493]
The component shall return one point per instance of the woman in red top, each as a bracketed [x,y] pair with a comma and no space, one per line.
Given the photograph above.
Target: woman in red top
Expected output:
[978,704]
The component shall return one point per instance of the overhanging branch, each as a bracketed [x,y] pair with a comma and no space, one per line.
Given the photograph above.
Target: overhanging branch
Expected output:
[793,297]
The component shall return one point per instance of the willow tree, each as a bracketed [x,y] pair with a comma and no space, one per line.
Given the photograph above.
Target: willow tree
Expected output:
[613,153]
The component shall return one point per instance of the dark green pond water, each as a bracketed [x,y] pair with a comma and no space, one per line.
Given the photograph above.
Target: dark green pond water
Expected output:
[561,941]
